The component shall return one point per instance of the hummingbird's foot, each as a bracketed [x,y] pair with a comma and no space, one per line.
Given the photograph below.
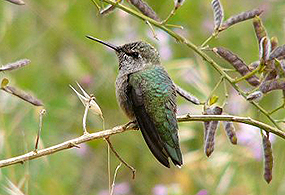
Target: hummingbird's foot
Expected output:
[85,132]
[132,124]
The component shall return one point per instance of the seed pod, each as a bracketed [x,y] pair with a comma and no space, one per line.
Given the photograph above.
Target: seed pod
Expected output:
[15,65]
[230,131]
[187,95]
[23,95]
[213,110]
[278,53]
[17,2]
[257,95]
[218,13]
[268,158]
[145,9]
[213,125]
[271,85]
[253,65]
[178,3]
[237,63]
[271,75]
[240,17]
[274,43]
[264,49]
[259,29]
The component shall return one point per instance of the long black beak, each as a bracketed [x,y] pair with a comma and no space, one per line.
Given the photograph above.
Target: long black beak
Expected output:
[114,47]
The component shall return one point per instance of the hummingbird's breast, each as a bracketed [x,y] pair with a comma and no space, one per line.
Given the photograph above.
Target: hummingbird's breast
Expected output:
[121,94]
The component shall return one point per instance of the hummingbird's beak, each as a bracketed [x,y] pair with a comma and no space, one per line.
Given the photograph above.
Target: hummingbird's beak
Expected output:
[114,47]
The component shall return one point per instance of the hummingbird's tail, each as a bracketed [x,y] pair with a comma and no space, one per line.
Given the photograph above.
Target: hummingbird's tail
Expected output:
[160,150]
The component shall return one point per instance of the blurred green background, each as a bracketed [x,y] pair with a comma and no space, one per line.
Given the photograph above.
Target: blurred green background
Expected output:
[52,35]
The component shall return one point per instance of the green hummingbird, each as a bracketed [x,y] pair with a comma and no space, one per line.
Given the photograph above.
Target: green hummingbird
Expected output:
[147,95]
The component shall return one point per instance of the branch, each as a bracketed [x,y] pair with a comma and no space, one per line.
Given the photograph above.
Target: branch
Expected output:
[120,129]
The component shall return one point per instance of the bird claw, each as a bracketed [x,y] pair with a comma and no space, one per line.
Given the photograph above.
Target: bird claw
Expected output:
[133,125]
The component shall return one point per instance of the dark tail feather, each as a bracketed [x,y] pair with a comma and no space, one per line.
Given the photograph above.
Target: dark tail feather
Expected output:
[150,135]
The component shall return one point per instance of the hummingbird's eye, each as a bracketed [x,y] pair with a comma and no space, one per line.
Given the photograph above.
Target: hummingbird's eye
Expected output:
[134,54]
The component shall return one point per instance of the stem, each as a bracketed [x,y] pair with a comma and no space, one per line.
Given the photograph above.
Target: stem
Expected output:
[207,40]
[248,75]
[120,158]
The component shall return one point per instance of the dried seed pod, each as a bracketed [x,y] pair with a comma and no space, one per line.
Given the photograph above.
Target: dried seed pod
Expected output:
[213,110]
[230,131]
[237,63]
[218,13]
[23,95]
[274,43]
[15,65]
[213,125]
[271,75]
[240,17]
[268,158]
[145,9]
[17,2]
[271,85]
[257,95]
[278,53]
[259,29]
[187,95]
[264,49]
[253,65]
[178,3]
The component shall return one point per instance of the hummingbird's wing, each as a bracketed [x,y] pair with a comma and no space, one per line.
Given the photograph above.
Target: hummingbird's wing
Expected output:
[153,98]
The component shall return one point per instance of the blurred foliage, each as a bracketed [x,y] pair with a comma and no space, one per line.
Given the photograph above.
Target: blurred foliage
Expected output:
[52,35]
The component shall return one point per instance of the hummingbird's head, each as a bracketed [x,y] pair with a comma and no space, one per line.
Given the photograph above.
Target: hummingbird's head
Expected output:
[133,56]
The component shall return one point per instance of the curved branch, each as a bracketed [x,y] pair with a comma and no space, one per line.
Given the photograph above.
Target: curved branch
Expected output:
[120,129]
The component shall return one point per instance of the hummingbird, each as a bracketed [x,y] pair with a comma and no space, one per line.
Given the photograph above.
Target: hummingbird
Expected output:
[147,95]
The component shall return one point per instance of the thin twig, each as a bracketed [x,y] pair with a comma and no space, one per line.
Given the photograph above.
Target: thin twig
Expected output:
[120,158]
[114,179]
